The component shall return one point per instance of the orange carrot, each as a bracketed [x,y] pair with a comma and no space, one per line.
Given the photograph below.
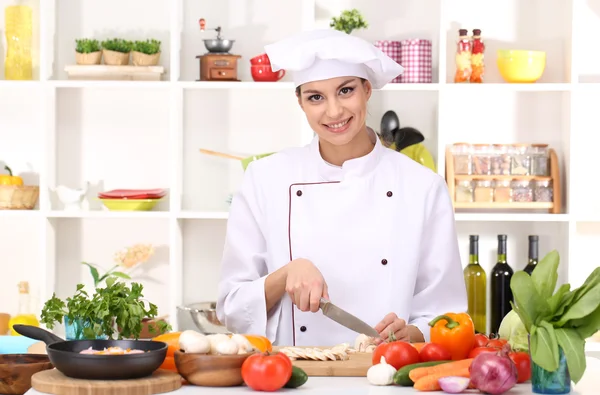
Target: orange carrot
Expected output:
[431,381]
[417,373]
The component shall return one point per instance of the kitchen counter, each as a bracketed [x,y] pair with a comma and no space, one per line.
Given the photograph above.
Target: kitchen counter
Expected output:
[588,385]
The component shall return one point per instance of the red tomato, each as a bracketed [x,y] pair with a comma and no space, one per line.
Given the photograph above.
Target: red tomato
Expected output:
[523,362]
[266,372]
[497,343]
[481,340]
[478,350]
[434,352]
[396,353]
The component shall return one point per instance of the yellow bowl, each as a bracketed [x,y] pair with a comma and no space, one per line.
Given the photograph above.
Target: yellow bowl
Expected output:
[521,66]
[129,204]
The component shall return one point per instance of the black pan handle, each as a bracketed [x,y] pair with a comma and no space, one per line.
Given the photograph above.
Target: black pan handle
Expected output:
[33,332]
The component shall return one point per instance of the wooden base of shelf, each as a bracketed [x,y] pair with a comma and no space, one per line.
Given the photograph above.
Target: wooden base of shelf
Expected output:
[114,73]
[500,205]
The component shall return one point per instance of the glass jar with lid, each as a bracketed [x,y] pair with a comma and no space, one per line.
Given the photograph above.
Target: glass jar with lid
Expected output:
[542,190]
[463,191]
[500,160]
[521,191]
[540,160]
[461,153]
[520,160]
[484,191]
[482,159]
[502,191]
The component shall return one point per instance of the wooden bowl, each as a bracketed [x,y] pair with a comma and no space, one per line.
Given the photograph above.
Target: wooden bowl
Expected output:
[209,370]
[16,371]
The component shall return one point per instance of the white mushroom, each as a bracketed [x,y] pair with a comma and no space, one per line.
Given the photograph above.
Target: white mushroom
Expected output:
[215,339]
[364,343]
[194,342]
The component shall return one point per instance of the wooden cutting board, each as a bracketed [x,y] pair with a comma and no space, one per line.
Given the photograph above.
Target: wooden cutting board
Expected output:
[54,382]
[356,366]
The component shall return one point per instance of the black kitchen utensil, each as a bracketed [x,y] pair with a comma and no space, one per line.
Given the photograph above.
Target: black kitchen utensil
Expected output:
[66,356]
[407,136]
[389,123]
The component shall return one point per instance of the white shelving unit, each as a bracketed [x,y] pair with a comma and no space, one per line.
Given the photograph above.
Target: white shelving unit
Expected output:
[116,134]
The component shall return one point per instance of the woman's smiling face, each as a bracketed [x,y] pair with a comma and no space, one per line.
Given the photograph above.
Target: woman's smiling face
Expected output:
[336,109]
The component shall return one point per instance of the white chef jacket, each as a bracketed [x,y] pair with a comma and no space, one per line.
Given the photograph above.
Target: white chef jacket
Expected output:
[380,229]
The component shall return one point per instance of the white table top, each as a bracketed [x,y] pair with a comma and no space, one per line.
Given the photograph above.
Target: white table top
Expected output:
[359,386]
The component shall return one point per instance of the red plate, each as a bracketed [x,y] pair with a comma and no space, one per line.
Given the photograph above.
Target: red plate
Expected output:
[133,194]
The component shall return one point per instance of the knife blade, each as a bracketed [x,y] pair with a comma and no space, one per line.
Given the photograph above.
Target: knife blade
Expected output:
[346,319]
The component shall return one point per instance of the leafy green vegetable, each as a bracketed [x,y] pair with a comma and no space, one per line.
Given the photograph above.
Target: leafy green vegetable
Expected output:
[348,21]
[512,329]
[114,304]
[118,45]
[87,45]
[563,318]
[111,273]
[148,47]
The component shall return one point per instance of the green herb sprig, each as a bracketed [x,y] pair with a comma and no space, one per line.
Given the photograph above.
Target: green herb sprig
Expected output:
[116,303]
[87,45]
[348,21]
[564,318]
[148,47]
[117,45]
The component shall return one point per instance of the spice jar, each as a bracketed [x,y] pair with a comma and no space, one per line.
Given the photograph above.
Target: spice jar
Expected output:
[482,159]
[484,191]
[540,161]
[464,191]
[500,160]
[519,164]
[502,191]
[462,158]
[542,190]
[521,191]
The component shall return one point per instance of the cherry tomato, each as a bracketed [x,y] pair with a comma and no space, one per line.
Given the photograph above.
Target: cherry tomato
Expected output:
[481,340]
[523,362]
[434,352]
[497,343]
[266,372]
[396,353]
[478,350]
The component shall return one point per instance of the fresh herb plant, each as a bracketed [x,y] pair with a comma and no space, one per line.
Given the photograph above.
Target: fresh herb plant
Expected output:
[127,259]
[87,45]
[148,47]
[117,45]
[114,304]
[564,317]
[348,21]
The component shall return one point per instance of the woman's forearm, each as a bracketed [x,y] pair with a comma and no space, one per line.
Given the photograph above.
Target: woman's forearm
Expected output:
[275,286]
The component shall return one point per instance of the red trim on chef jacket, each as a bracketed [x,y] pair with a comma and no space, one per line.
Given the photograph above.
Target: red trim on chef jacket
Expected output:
[290,236]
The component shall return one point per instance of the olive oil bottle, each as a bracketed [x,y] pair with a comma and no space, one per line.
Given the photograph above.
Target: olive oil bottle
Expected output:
[533,254]
[475,280]
[501,292]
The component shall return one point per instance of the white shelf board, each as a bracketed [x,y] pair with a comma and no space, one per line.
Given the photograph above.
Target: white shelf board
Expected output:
[108,84]
[203,215]
[108,214]
[511,217]
[235,85]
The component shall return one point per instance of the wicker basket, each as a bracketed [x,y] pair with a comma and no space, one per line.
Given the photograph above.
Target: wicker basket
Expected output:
[18,197]
[142,59]
[115,58]
[88,58]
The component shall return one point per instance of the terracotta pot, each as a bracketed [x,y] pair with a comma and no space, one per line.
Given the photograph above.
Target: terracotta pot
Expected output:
[115,58]
[142,59]
[88,58]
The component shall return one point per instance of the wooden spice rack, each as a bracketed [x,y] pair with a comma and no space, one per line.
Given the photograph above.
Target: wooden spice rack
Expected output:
[553,207]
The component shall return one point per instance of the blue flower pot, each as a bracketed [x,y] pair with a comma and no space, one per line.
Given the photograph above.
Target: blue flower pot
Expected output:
[545,382]
[74,330]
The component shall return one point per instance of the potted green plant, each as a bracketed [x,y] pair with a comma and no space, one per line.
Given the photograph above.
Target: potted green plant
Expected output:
[116,51]
[558,323]
[88,51]
[348,21]
[98,316]
[145,53]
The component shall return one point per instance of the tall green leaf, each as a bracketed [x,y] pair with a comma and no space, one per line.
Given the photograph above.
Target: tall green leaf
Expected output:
[587,325]
[573,345]
[93,272]
[545,274]
[531,307]
[544,347]
[555,300]
[585,301]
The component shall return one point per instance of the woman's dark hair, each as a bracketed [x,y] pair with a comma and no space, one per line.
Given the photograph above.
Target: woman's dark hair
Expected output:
[298,91]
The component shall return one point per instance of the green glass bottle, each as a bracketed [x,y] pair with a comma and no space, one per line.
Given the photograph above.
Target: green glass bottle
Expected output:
[475,280]
[501,292]
[533,254]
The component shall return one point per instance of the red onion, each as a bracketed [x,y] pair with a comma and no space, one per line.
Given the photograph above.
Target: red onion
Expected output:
[453,385]
[493,373]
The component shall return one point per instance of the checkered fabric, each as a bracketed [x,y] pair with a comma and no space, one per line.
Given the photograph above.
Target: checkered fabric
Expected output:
[391,49]
[415,57]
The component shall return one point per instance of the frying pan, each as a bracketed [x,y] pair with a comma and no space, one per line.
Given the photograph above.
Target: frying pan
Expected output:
[66,357]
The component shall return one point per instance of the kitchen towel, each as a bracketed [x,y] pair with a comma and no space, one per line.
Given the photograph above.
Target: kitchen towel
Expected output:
[415,57]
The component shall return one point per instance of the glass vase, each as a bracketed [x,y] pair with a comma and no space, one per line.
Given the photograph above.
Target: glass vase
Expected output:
[556,382]
[74,329]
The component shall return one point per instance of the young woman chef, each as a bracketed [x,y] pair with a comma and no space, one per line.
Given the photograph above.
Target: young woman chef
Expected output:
[342,218]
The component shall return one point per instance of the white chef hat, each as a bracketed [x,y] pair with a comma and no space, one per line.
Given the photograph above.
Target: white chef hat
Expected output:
[327,53]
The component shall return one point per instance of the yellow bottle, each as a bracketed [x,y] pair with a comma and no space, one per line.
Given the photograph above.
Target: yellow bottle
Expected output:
[19,30]
[24,315]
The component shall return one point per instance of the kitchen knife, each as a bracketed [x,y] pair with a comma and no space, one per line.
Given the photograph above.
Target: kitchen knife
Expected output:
[346,319]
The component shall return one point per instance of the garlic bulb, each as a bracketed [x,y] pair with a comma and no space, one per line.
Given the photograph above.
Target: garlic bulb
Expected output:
[215,340]
[381,374]
[227,347]
[194,342]
[244,345]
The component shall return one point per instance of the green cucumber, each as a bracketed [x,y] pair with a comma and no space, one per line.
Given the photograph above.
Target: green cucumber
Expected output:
[401,376]
[298,378]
